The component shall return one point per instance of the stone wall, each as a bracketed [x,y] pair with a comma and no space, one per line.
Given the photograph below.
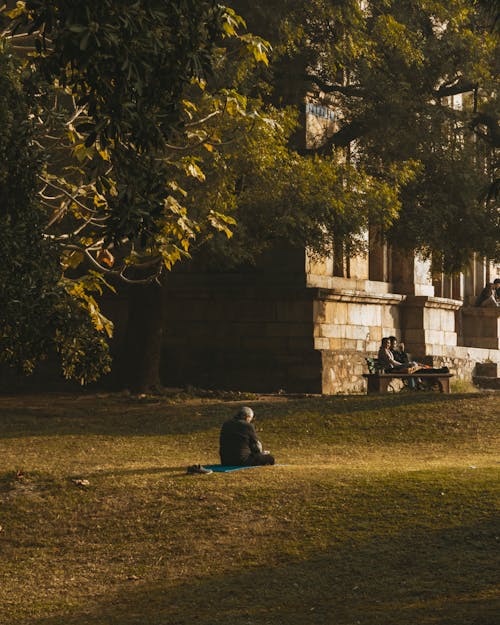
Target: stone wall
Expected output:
[308,331]
[244,338]
[481,327]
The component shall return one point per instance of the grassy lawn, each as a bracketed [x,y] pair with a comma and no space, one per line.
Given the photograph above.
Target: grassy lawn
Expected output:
[385,513]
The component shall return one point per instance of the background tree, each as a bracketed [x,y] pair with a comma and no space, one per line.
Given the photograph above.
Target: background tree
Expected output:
[120,112]
[159,132]
[391,70]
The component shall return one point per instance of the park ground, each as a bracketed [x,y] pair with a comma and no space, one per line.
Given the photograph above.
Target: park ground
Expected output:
[384,512]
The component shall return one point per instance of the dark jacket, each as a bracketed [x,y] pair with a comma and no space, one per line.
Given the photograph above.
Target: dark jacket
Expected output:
[238,441]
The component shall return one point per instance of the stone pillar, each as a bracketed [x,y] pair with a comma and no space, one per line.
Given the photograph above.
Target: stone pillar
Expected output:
[480,273]
[457,286]
[428,325]
[481,327]
[469,284]
[411,275]
[378,256]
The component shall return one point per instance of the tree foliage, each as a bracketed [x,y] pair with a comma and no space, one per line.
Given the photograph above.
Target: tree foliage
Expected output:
[154,128]
[391,70]
[38,315]
[120,114]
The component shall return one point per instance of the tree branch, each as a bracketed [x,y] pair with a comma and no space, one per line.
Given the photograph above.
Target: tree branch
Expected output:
[454,89]
[348,90]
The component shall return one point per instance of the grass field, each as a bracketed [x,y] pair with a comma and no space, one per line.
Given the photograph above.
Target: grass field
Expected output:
[385,513]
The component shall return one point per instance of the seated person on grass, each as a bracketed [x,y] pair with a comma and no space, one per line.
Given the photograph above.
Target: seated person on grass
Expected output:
[239,445]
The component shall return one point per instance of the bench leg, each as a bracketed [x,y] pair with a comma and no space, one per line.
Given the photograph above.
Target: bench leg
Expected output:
[444,383]
[384,384]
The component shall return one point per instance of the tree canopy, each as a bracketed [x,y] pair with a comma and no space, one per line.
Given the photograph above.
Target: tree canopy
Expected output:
[412,82]
[118,112]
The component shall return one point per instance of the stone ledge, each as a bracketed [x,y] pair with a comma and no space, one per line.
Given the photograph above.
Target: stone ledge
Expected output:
[424,301]
[361,297]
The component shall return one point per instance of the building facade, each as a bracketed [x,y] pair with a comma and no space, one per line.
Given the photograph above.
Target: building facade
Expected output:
[291,324]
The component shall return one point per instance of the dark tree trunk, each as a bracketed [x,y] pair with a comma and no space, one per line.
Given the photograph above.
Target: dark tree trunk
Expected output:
[141,356]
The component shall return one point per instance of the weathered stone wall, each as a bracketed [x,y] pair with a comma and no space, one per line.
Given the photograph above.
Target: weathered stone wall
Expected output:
[429,324]
[307,331]
[246,338]
[481,327]
[463,361]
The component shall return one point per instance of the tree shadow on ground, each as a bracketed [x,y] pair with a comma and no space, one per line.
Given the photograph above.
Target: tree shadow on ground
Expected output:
[121,416]
[443,577]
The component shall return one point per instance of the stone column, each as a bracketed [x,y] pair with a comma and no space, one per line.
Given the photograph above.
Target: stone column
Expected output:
[428,325]
[378,256]
[411,275]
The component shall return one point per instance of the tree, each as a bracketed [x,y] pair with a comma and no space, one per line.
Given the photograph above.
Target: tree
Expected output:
[391,70]
[38,315]
[120,111]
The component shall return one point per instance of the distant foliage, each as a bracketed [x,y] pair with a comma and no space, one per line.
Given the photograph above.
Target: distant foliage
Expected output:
[38,317]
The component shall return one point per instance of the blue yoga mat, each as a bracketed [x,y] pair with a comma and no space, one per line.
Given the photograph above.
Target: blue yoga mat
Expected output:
[219,468]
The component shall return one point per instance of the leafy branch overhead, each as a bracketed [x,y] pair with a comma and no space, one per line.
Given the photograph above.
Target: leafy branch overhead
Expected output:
[150,130]
[126,118]
[125,108]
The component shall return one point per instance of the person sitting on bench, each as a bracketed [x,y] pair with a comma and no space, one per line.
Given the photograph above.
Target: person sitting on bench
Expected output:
[239,445]
[391,365]
[398,351]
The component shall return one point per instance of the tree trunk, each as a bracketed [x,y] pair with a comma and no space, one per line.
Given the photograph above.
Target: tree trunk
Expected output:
[141,356]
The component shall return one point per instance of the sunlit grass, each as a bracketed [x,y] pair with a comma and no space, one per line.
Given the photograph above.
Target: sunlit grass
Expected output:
[386,512]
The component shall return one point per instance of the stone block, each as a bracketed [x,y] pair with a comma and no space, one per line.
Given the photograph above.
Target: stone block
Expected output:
[358,332]
[320,311]
[354,314]
[287,329]
[375,334]
[337,312]
[336,344]
[488,369]
[300,344]
[450,339]
[371,315]
[331,330]
[413,317]
[321,343]
[295,311]
[435,337]
[415,336]
[390,317]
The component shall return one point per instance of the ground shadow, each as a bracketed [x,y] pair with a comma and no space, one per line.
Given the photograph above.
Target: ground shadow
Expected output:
[121,416]
[443,577]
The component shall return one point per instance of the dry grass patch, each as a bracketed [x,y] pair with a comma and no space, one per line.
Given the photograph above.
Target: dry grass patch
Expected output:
[385,513]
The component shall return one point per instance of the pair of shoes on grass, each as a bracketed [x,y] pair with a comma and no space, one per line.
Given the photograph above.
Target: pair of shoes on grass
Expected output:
[197,468]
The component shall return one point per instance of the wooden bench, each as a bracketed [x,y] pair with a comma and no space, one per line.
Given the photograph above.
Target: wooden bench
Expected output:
[379,382]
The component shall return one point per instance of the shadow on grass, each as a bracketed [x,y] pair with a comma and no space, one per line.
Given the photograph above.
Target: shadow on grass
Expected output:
[176,471]
[444,577]
[125,417]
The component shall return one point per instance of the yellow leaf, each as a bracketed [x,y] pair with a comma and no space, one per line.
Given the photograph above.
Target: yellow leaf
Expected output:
[193,170]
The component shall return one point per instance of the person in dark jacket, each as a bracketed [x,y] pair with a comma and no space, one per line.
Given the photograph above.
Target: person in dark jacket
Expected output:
[239,445]
[398,351]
